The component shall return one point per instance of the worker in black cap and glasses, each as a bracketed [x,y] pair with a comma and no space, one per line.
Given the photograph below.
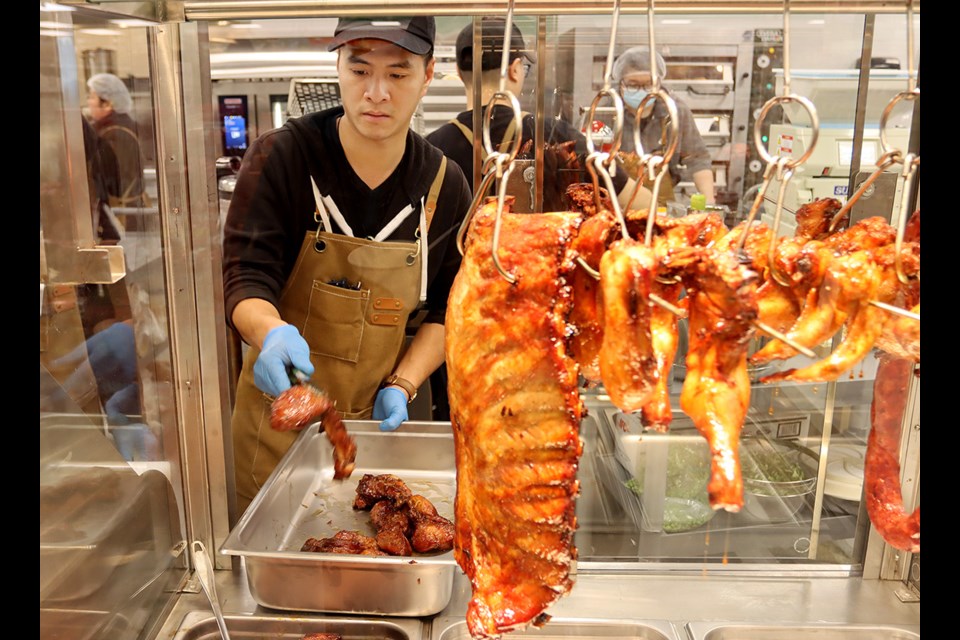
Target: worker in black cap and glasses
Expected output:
[456,137]
[342,224]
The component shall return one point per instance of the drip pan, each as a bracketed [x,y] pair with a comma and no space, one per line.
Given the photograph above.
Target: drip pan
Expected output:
[581,629]
[201,625]
[750,631]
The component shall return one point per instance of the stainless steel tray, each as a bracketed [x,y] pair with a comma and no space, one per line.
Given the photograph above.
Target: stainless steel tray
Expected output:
[57,624]
[93,521]
[302,500]
[200,625]
[800,631]
[579,628]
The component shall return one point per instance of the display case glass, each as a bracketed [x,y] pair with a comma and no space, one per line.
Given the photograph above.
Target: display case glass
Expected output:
[117,465]
[111,499]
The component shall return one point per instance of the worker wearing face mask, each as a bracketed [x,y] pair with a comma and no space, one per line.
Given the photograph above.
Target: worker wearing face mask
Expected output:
[691,160]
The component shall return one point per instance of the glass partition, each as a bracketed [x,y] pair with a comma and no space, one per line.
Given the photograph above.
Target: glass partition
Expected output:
[111,523]
[644,493]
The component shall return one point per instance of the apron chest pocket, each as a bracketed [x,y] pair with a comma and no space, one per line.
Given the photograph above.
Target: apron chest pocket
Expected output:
[335,321]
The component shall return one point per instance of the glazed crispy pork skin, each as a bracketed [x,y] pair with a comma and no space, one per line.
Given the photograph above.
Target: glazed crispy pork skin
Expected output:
[516,412]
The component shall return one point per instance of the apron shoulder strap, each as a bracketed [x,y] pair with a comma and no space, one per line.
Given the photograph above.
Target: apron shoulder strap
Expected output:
[464,129]
[121,128]
[507,135]
[434,194]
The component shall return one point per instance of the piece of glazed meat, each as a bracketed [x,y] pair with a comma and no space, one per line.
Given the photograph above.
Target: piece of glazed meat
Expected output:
[347,542]
[857,278]
[591,242]
[754,248]
[432,533]
[516,412]
[373,488]
[657,413]
[849,280]
[580,198]
[815,218]
[722,307]
[881,468]
[869,233]
[386,515]
[900,335]
[394,542]
[322,636]
[628,364]
[695,229]
[393,527]
[301,405]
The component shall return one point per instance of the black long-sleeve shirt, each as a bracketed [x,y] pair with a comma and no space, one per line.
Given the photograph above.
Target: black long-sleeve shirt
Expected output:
[273,207]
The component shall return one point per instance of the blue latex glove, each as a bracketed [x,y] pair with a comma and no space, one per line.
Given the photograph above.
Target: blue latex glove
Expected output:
[390,407]
[136,442]
[112,354]
[282,348]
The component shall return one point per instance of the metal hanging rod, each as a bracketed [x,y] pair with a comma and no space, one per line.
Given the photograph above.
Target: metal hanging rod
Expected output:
[252,9]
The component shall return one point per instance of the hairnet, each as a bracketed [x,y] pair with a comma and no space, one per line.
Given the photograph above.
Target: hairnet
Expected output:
[110,87]
[637,59]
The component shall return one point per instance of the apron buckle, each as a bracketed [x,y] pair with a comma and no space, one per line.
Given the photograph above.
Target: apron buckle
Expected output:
[412,257]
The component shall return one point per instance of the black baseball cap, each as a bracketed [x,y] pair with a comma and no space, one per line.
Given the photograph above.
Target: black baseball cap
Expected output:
[414,33]
[492,29]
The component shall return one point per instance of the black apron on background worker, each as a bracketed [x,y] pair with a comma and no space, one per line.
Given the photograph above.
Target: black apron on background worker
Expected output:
[350,298]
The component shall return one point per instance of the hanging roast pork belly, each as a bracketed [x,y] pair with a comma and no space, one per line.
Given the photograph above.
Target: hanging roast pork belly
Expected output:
[516,413]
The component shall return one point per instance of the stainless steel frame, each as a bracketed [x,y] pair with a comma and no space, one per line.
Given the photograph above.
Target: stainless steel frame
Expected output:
[67,239]
[187,144]
[250,9]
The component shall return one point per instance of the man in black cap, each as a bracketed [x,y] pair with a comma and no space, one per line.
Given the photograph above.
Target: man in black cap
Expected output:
[455,138]
[342,224]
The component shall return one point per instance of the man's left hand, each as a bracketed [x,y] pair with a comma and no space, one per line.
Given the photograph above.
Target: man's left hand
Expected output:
[390,407]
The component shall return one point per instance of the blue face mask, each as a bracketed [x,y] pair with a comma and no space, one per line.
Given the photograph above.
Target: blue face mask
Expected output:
[634,96]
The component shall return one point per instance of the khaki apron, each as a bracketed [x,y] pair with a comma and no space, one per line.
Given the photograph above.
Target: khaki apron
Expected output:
[666,188]
[666,193]
[520,184]
[355,335]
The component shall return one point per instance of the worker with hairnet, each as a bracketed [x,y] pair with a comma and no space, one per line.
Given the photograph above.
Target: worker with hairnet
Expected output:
[691,160]
[109,104]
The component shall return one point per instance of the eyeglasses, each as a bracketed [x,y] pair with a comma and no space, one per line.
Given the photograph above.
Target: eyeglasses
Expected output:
[526,68]
[632,86]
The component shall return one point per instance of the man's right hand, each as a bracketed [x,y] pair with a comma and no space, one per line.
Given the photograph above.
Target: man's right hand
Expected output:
[282,348]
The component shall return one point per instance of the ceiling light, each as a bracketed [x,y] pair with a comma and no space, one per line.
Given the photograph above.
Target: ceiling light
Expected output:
[247,25]
[279,71]
[125,23]
[100,32]
[53,6]
[818,21]
[676,21]
[273,56]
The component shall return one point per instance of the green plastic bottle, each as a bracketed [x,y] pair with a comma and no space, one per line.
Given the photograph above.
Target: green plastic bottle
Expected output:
[698,202]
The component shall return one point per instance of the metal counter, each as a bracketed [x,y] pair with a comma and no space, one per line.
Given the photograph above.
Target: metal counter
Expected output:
[678,599]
